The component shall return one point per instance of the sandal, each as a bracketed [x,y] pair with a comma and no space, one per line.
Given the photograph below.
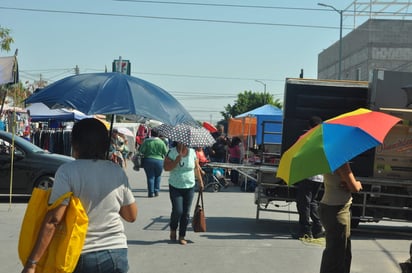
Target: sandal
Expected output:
[182,241]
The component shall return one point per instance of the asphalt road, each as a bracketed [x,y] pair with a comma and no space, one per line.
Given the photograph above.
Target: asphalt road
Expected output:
[234,242]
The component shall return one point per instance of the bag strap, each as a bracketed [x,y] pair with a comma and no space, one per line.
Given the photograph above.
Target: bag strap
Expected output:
[60,200]
[200,199]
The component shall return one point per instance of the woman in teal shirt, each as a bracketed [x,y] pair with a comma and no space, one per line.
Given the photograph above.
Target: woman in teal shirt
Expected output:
[183,166]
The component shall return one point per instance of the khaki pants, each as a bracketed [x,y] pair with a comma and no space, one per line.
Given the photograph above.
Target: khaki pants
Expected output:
[337,255]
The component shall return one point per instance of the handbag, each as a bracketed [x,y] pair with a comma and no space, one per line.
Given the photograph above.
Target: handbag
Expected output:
[67,243]
[199,218]
[137,161]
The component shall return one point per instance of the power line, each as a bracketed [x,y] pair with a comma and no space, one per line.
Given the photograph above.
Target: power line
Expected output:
[218,5]
[169,18]
[203,77]
[362,12]
[156,74]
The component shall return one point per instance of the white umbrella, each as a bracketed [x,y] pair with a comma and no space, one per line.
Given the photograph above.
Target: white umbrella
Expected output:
[125,131]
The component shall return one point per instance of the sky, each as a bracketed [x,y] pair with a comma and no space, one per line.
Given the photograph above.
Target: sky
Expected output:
[203,52]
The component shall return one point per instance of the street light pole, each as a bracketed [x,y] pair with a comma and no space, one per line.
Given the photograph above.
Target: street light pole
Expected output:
[340,35]
[264,90]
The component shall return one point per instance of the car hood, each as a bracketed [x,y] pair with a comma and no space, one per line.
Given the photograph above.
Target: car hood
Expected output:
[58,159]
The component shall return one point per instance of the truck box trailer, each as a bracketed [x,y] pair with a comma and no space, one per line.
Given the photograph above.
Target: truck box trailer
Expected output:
[385,171]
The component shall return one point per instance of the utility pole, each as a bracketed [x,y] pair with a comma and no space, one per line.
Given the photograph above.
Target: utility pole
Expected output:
[340,12]
[264,90]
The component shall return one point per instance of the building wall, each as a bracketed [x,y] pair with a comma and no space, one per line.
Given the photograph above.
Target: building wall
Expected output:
[376,44]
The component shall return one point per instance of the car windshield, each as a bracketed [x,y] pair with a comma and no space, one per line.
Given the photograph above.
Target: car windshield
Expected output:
[25,144]
[29,146]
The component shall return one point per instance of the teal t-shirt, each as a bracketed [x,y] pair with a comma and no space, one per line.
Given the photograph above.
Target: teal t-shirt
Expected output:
[183,175]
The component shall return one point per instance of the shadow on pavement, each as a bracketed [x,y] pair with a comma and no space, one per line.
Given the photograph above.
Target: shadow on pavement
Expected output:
[234,228]
[378,231]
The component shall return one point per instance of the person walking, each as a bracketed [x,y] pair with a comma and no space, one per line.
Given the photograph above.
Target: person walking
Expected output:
[104,191]
[307,195]
[154,150]
[183,165]
[335,216]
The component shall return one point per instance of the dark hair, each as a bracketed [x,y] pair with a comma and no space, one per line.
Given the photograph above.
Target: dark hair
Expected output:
[90,139]
[154,133]
[235,141]
[314,120]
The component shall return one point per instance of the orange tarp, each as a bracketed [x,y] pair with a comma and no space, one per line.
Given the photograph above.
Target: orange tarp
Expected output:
[245,126]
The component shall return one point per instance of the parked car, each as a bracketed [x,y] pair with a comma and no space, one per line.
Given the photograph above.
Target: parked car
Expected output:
[33,166]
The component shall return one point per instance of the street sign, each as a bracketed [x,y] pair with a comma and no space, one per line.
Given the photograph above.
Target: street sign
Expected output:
[122,66]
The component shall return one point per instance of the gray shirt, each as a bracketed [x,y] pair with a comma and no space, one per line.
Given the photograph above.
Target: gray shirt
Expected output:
[103,188]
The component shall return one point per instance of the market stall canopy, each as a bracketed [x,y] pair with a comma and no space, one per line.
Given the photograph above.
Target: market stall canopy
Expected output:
[40,112]
[242,127]
[9,72]
[266,109]
[264,122]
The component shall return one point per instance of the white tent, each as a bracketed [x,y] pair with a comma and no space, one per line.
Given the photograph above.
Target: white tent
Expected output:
[40,112]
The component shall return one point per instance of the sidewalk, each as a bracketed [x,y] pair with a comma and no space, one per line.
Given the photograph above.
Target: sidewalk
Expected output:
[234,242]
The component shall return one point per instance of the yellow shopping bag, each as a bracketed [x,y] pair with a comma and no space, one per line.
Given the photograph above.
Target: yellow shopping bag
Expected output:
[67,243]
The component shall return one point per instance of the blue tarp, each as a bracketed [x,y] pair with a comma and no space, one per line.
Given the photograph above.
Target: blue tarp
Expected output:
[270,127]
[267,109]
[269,124]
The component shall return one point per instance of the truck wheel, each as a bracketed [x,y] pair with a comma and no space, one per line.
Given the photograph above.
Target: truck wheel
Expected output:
[44,182]
[355,213]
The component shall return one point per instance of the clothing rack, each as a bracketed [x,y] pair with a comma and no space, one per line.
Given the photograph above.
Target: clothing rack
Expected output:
[54,140]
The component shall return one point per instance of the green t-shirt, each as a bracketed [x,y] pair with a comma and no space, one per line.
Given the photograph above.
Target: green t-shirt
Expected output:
[153,148]
[183,175]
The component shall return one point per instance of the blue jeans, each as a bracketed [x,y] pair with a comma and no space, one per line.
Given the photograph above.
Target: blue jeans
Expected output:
[307,205]
[181,203]
[104,261]
[153,169]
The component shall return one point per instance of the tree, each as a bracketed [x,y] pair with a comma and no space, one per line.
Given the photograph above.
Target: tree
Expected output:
[5,39]
[247,101]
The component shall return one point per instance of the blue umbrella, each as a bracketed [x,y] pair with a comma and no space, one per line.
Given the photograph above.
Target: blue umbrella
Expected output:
[113,93]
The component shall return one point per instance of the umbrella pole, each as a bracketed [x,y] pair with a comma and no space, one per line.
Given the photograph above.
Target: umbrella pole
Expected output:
[110,135]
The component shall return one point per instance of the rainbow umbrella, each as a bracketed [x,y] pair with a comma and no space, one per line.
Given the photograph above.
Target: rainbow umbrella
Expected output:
[327,146]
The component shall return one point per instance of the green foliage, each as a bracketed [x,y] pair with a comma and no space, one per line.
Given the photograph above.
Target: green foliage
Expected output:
[249,100]
[5,39]
[14,93]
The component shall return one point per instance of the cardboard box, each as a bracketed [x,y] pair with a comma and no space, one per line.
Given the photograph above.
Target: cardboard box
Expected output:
[398,142]
[393,159]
